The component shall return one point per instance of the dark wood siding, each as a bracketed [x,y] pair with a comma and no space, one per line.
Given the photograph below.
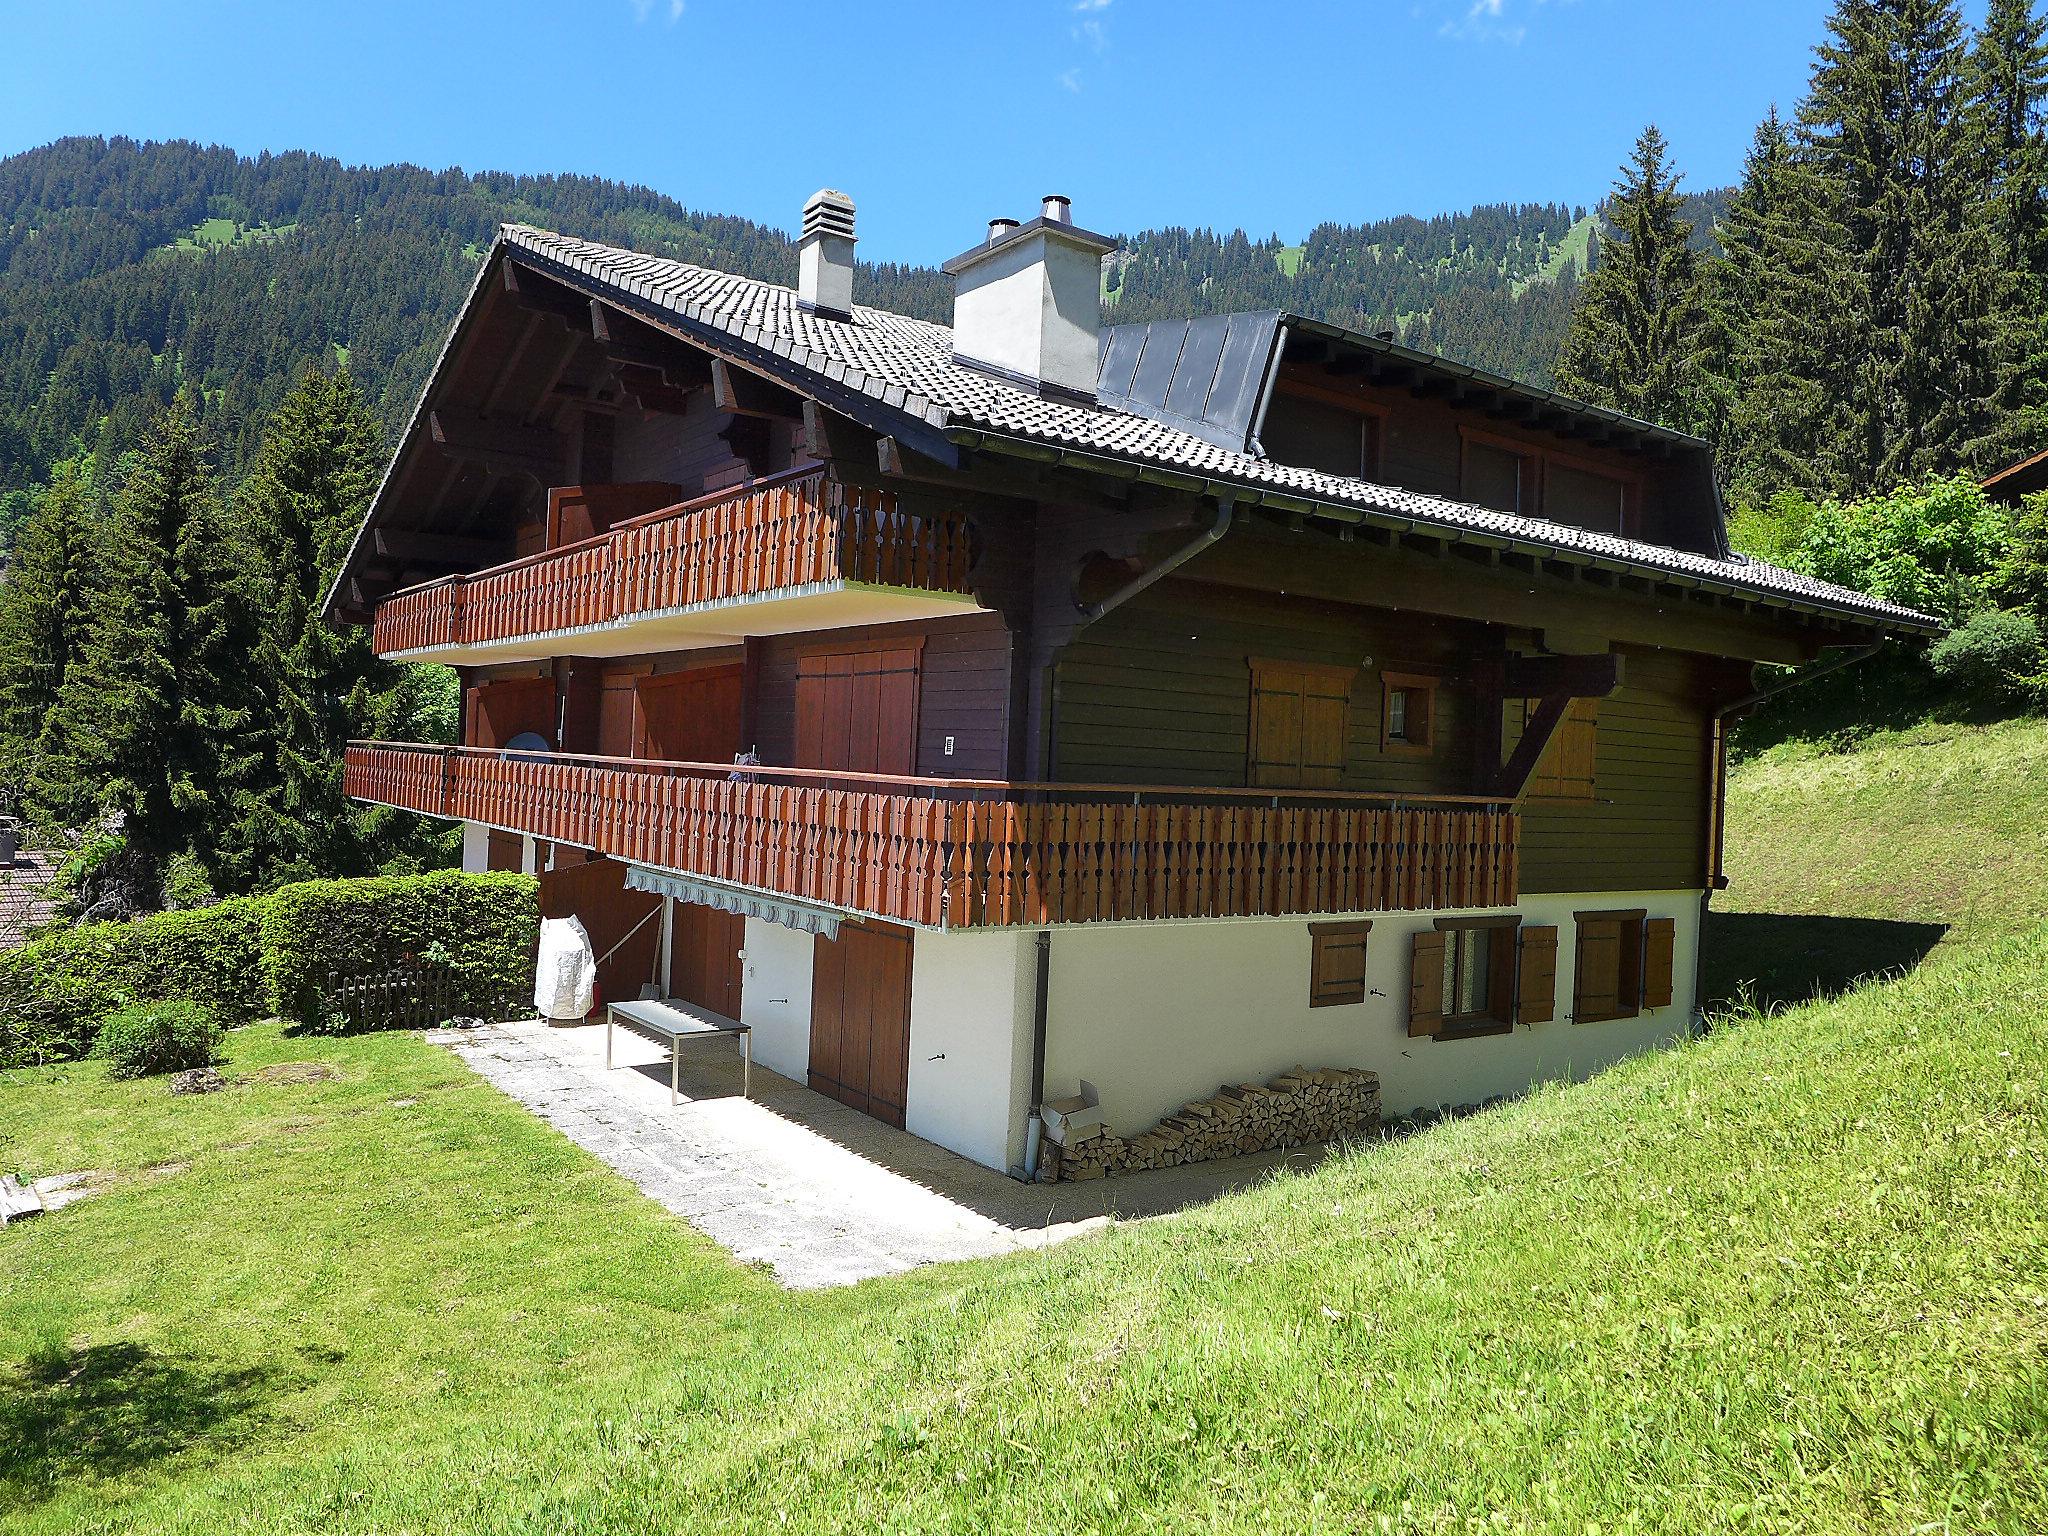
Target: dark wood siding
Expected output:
[1645,829]
[1160,691]
[686,449]
[964,691]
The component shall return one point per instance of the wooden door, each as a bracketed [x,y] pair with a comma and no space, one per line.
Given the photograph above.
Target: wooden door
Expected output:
[860,1018]
[502,710]
[857,710]
[596,893]
[690,717]
[704,957]
[505,851]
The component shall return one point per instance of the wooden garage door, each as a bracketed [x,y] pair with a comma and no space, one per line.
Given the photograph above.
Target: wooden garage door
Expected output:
[860,1018]
[704,957]
[857,710]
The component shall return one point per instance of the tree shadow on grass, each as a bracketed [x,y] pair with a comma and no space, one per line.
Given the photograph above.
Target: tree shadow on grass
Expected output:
[106,1409]
[1784,958]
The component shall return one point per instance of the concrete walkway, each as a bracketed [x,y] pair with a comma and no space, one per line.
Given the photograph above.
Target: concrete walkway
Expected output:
[819,1192]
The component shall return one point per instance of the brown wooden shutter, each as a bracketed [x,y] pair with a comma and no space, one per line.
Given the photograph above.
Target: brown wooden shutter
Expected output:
[1426,983]
[1536,976]
[1337,963]
[1596,993]
[1300,720]
[1660,937]
[1566,769]
[857,710]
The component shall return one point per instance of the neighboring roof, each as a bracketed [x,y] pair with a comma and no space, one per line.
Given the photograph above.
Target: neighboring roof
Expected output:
[2017,480]
[907,367]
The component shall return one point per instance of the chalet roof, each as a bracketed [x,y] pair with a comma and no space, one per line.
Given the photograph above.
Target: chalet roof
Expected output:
[906,368]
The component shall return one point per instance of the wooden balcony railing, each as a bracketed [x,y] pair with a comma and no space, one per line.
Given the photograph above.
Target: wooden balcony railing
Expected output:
[782,535]
[972,853]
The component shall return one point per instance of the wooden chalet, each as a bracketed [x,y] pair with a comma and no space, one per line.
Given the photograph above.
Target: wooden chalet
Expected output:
[994,709]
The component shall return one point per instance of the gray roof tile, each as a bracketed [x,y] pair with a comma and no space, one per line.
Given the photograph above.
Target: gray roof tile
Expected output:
[888,357]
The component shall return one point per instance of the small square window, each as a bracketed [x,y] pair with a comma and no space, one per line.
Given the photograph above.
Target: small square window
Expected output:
[1407,712]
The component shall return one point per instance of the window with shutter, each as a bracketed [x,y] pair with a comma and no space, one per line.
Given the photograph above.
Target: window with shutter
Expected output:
[1300,716]
[1472,988]
[1608,966]
[1566,769]
[1336,963]
[1536,978]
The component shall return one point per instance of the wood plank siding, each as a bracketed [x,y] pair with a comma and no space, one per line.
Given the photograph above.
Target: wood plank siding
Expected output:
[1161,690]
[1646,827]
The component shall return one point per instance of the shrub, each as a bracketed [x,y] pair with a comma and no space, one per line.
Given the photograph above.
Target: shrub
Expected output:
[302,952]
[55,992]
[474,933]
[149,1038]
[1997,655]
[1936,547]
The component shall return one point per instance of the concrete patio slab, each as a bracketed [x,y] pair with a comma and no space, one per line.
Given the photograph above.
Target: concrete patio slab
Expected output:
[820,1193]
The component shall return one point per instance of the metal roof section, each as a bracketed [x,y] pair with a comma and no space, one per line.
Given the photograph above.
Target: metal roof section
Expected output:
[1208,377]
[898,375]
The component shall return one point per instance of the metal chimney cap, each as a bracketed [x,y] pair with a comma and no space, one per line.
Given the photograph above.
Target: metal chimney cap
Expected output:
[998,228]
[1057,209]
[829,212]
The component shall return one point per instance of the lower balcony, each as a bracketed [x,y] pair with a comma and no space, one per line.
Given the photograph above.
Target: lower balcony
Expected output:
[954,853]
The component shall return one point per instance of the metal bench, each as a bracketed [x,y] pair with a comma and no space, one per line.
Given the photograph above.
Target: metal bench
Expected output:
[674,1020]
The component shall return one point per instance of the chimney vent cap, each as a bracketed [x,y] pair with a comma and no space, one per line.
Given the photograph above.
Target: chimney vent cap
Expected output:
[829,212]
[1057,209]
[1000,228]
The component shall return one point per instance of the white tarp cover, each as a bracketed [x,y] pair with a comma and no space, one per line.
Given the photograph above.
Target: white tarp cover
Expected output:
[566,980]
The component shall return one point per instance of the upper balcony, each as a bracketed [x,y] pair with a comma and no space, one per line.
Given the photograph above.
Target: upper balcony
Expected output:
[799,551]
[966,853]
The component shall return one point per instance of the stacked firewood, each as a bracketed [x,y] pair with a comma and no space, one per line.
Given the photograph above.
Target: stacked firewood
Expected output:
[1297,1106]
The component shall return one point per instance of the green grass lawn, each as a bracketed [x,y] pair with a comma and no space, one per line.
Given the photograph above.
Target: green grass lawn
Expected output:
[1791,1277]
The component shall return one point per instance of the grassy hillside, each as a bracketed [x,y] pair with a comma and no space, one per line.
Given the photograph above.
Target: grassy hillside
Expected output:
[1843,865]
[1786,1278]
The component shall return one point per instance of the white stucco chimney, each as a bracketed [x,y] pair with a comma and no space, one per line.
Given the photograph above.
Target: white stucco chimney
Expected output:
[824,283]
[1027,303]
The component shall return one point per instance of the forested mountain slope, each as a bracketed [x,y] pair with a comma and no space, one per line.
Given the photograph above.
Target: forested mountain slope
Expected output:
[128,269]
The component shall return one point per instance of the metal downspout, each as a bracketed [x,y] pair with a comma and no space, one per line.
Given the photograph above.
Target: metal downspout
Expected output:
[1226,508]
[1033,1124]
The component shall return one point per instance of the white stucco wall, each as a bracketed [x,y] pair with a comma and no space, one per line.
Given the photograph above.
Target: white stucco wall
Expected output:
[1158,1015]
[775,996]
[476,849]
[970,1043]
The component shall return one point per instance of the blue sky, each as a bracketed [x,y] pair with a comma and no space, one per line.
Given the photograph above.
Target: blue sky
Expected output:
[937,116]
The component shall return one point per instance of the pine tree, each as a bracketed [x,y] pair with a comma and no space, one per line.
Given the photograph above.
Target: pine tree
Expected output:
[1639,326]
[1775,317]
[155,707]
[312,480]
[1886,126]
[43,609]
[2008,78]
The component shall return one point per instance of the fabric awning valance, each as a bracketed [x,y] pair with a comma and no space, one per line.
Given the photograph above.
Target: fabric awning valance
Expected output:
[799,915]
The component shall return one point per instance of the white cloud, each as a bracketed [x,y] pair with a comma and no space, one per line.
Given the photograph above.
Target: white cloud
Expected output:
[643,11]
[1491,21]
[1090,5]
[1071,80]
[675,10]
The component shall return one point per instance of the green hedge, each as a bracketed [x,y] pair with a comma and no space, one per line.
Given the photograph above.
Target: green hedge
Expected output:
[470,936]
[473,935]
[55,992]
